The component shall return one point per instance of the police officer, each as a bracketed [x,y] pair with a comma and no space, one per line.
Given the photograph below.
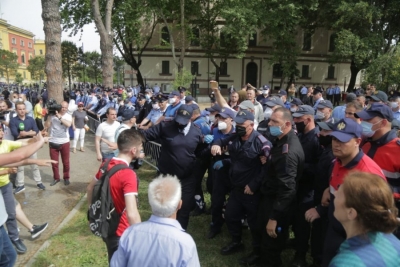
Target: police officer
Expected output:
[382,144]
[182,94]
[174,102]
[307,133]
[159,106]
[179,141]
[283,95]
[324,111]
[346,138]
[269,105]
[141,107]
[278,190]
[294,105]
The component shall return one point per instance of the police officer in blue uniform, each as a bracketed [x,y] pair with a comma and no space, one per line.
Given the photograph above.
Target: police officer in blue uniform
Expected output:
[174,102]
[245,148]
[180,139]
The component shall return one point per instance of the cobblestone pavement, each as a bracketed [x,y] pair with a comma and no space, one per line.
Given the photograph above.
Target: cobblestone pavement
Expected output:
[53,204]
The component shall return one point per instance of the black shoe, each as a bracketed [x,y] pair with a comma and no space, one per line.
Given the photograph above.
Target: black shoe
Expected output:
[41,186]
[19,246]
[232,248]
[54,182]
[299,261]
[250,260]
[66,182]
[19,189]
[213,233]
[37,230]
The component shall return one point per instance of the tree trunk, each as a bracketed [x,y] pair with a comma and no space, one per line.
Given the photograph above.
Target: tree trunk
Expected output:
[217,69]
[139,78]
[106,40]
[52,30]
[354,71]
[183,49]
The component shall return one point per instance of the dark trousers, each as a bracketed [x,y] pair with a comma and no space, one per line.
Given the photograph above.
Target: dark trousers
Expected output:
[39,124]
[221,187]
[271,248]
[336,99]
[8,255]
[188,185]
[333,240]
[112,243]
[302,228]
[318,234]
[9,202]
[330,98]
[200,170]
[239,205]
[54,155]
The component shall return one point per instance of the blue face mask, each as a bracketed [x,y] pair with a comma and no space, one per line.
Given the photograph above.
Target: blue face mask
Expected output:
[275,130]
[367,128]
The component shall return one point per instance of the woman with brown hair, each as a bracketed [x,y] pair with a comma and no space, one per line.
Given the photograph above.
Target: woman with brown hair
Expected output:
[364,205]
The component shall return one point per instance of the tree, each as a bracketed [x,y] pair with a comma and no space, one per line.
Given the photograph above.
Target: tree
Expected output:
[118,66]
[8,63]
[52,30]
[69,54]
[18,77]
[36,67]
[93,61]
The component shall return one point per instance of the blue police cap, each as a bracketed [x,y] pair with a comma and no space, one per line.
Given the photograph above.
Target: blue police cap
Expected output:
[129,114]
[173,93]
[325,104]
[375,110]
[244,115]
[275,101]
[296,101]
[303,110]
[346,129]
[188,99]
[184,114]
[282,92]
[214,108]
[379,96]
[226,113]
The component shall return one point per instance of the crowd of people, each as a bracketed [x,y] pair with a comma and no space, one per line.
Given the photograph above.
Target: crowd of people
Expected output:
[277,162]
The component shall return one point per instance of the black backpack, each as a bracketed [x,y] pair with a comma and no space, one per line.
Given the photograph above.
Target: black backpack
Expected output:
[102,216]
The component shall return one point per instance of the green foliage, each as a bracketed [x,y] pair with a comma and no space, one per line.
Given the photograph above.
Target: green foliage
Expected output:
[8,63]
[183,78]
[18,78]
[36,67]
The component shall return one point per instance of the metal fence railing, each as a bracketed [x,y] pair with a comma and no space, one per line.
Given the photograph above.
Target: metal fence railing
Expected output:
[93,124]
[152,152]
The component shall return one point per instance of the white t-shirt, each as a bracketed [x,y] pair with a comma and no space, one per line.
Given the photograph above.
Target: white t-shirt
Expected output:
[59,133]
[7,131]
[107,131]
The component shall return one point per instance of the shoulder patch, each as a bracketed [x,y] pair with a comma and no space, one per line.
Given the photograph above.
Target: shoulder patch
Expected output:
[262,138]
[285,149]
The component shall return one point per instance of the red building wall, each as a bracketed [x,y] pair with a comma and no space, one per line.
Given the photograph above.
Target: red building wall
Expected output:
[19,48]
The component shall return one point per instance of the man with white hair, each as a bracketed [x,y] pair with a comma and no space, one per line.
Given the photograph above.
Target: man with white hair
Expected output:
[160,241]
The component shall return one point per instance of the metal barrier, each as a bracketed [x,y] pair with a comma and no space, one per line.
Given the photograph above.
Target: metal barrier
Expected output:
[152,153]
[93,124]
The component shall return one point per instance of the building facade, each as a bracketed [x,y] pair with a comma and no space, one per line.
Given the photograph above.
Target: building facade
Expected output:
[254,68]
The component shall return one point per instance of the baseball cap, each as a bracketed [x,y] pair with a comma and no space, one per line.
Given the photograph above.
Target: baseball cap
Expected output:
[346,129]
[351,97]
[194,106]
[247,104]
[244,115]
[181,89]
[129,114]
[188,99]
[265,87]
[282,92]
[329,126]
[379,96]
[375,110]
[303,110]
[226,113]
[325,104]
[317,90]
[296,101]
[184,114]
[214,108]
[173,93]
[80,104]
[274,101]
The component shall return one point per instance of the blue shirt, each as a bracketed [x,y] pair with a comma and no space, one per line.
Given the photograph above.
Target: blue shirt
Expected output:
[373,250]
[154,115]
[110,104]
[317,102]
[203,125]
[337,90]
[158,242]
[156,89]
[303,90]
[329,91]
[396,115]
[171,111]
[29,124]
[287,104]
[339,112]
[219,134]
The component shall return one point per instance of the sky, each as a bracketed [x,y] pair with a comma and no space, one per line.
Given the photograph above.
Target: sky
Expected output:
[27,14]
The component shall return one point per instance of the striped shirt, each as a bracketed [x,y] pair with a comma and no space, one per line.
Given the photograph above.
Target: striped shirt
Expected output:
[375,249]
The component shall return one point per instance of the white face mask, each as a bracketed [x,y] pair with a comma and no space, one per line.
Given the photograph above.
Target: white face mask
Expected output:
[19,99]
[130,94]
[320,115]
[212,118]
[265,92]
[293,110]
[171,100]
[394,104]
[267,113]
[222,125]
[156,106]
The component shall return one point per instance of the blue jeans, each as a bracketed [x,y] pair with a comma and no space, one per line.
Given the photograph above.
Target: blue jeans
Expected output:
[109,155]
[8,254]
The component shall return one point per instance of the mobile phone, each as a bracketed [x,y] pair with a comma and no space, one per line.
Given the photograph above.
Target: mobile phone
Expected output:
[214,85]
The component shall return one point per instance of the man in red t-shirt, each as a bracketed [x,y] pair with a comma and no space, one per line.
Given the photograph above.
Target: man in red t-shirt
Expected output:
[123,186]
[346,139]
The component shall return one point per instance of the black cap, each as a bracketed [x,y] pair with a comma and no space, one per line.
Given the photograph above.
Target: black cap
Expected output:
[181,89]
[184,114]
[214,108]
[188,99]
[317,90]
[329,126]
[296,101]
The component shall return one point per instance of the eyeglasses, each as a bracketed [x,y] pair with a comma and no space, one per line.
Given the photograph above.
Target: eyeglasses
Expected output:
[349,113]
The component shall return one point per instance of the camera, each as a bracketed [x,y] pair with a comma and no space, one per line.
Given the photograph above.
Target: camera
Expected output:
[2,115]
[53,106]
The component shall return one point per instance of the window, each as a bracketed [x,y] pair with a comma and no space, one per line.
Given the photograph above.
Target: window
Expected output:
[13,41]
[223,39]
[30,45]
[223,86]
[194,66]
[223,68]
[253,39]
[307,41]
[23,58]
[24,74]
[165,36]
[332,41]
[22,43]
[41,52]
[305,69]
[277,71]
[331,72]
[195,41]
[165,67]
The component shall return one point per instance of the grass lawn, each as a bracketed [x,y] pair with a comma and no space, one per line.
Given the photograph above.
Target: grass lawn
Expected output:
[75,245]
